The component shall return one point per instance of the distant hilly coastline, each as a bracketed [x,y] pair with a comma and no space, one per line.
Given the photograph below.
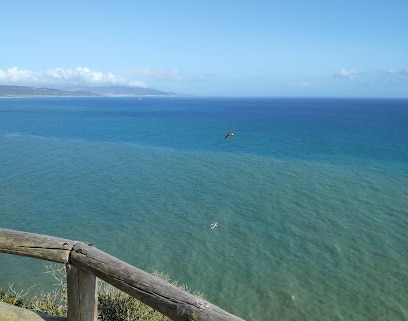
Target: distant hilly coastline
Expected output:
[108,91]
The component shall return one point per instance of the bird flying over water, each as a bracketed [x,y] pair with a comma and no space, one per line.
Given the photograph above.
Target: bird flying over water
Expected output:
[230,135]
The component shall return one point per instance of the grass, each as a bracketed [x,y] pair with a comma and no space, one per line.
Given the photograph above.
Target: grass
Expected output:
[113,304]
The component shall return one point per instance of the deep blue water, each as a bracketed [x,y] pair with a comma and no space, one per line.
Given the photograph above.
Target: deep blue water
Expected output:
[311,196]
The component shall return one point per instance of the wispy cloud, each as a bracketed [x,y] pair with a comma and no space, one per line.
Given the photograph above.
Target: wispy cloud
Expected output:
[376,75]
[349,74]
[171,74]
[398,72]
[63,76]
[304,84]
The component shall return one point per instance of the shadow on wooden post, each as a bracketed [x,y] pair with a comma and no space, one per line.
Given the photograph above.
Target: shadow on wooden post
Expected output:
[82,294]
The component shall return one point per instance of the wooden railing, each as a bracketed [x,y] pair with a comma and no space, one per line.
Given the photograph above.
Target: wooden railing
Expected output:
[84,263]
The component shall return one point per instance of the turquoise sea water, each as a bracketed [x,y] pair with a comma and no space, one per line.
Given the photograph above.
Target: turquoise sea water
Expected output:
[311,196]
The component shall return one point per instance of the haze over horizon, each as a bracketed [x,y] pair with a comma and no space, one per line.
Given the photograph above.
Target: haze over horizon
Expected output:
[257,48]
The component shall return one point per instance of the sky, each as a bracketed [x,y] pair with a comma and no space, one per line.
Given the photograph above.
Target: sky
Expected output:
[291,48]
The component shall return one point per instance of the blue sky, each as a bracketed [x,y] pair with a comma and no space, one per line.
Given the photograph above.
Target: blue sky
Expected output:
[347,48]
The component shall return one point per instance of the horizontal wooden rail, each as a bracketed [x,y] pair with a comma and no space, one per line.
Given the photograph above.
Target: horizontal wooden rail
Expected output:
[84,262]
[35,245]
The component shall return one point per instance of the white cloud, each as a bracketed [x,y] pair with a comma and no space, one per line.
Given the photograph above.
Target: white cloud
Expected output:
[15,75]
[398,72]
[373,76]
[349,74]
[383,78]
[61,76]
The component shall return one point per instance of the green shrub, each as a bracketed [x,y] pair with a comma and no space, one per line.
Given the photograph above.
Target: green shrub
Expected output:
[113,304]
[13,297]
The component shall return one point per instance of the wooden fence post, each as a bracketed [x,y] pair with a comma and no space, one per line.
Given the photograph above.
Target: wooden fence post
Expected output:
[84,263]
[82,294]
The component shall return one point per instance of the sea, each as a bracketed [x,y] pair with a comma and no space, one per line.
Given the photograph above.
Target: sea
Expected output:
[310,196]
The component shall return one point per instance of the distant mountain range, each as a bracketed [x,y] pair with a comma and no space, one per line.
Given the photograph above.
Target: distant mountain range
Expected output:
[111,91]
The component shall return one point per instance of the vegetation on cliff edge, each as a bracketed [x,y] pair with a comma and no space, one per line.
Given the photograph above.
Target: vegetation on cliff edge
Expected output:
[113,304]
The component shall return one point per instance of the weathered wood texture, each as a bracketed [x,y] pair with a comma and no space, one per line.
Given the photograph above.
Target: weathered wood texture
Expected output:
[157,293]
[82,294]
[84,262]
[35,245]
[10,312]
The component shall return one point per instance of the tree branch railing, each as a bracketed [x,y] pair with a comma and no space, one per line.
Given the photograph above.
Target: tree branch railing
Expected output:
[84,263]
